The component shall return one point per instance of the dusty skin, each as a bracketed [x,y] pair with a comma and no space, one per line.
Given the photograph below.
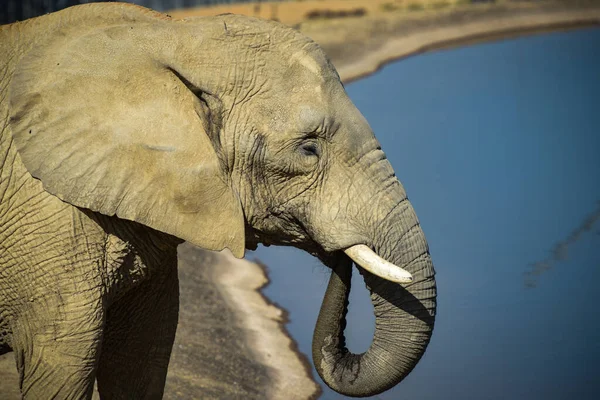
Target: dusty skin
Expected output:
[125,133]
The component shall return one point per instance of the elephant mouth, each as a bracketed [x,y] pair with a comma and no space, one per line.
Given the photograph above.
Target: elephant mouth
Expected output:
[369,260]
[360,253]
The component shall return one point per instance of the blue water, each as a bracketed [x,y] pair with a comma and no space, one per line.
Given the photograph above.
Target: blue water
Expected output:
[498,146]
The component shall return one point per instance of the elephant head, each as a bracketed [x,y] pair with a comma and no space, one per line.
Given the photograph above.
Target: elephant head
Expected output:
[229,132]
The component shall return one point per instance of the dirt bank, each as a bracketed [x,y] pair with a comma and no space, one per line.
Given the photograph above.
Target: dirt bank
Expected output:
[231,342]
[359,48]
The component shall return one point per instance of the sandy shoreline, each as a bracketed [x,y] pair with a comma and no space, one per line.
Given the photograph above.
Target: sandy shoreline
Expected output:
[370,55]
[241,283]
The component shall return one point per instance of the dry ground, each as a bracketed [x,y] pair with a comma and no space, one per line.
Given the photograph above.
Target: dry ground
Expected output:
[295,12]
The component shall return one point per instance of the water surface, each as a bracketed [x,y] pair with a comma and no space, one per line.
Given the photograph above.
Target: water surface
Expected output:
[498,146]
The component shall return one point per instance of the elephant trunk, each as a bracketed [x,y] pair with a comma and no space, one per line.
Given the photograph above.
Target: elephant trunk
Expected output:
[404,314]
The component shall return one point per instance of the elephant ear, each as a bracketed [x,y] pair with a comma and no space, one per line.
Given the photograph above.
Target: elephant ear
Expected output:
[104,126]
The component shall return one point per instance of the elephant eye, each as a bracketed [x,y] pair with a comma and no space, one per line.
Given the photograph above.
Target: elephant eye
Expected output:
[309,149]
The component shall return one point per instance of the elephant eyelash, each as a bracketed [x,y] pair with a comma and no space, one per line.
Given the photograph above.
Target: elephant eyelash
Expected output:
[316,131]
[325,130]
[310,135]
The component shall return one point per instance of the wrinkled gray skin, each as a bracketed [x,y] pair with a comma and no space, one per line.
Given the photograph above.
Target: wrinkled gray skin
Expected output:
[123,133]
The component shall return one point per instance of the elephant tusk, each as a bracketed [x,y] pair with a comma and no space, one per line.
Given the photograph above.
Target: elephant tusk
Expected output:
[366,258]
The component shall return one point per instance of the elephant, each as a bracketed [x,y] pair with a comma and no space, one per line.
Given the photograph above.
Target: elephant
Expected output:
[125,132]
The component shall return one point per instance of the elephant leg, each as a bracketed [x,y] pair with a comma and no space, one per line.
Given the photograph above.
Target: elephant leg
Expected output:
[53,361]
[139,336]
